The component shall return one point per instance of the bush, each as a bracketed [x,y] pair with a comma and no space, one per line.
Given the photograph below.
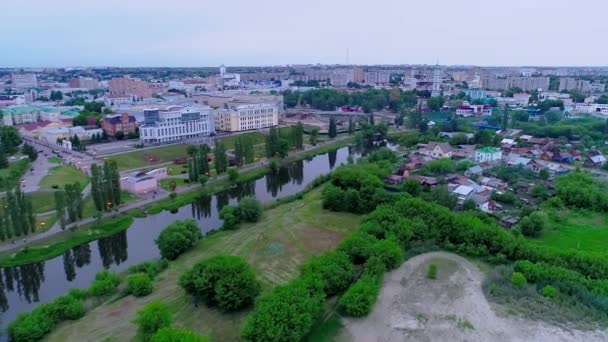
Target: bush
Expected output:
[223,280]
[151,268]
[360,297]
[233,174]
[230,215]
[250,209]
[549,291]
[389,252]
[67,308]
[139,284]
[177,238]
[518,279]
[151,318]
[374,266]
[177,335]
[358,246]
[104,284]
[333,268]
[286,314]
[431,272]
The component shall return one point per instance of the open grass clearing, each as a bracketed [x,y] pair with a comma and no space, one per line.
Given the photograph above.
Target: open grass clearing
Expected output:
[55,160]
[285,237]
[257,138]
[42,201]
[61,175]
[576,229]
[149,157]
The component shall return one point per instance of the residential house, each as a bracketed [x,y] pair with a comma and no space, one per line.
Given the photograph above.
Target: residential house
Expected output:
[437,150]
[474,170]
[595,161]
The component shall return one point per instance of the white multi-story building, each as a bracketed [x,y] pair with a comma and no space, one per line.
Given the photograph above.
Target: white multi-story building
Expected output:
[176,123]
[24,81]
[592,108]
[245,117]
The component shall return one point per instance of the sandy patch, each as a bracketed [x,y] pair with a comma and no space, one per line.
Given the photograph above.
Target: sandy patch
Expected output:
[451,308]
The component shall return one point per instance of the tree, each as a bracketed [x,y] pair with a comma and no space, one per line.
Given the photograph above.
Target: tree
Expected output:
[533,224]
[314,136]
[151,318]
[230,215]
[333,268]
[29,151]
[412,187]
[276,146]
[3,159]
[332,132]
[351,126]
[553,116]
[435,103]
[60,208]
[9,139]
[56,96]
[177,238]
[221,160]
[469,204]
[505,119]
[223,280]
[249,209]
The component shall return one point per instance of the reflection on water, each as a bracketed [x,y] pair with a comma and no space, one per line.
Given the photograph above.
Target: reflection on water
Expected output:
[24,287]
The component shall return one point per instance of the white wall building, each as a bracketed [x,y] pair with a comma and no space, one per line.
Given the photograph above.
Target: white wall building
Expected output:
[246,117]
[24,81]
[487,154]
[591,108]
[11,100]
[176,123]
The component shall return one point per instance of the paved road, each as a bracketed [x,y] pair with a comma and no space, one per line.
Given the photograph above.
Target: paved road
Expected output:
[56,229]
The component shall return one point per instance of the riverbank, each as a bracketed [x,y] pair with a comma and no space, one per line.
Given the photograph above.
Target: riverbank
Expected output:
[286,236]
[52,246]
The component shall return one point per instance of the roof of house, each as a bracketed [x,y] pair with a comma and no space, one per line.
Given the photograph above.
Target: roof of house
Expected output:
[463,190]
[488,149]
[475,169]
[114,119]
[598,159]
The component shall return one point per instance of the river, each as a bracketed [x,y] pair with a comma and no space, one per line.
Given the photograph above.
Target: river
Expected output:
[25,287]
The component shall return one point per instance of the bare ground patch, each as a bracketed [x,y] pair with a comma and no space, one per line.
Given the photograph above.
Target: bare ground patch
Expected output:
[452,307]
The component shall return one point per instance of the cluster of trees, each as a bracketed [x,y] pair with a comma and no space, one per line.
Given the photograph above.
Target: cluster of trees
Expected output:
[249,209]
[177,238]
[9,142]
[16,215]
[356,188]
[244,150]
[198,165]
[36,324]
[56,95]
[29,151]
[580,190]
[279,141]
[369,134]
[225,281]
[369,100]
[69,204]
[105,185]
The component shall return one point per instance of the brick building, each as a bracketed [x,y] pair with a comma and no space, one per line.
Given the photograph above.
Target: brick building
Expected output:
[113,124]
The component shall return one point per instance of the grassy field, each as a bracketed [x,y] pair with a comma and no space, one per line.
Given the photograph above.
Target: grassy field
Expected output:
[137,159]
[13,173]
[258,138]
[284,238]
[42,201]
[55,160]
[166,183]
[62,175]
[576,229]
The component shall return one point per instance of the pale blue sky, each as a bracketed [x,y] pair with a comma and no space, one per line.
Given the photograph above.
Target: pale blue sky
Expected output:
[272,32]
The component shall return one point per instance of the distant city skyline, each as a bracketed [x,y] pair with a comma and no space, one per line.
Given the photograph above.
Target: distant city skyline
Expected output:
[187,33]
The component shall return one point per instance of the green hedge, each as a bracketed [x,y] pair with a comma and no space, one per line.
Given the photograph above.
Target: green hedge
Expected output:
[360,297]
[334,269]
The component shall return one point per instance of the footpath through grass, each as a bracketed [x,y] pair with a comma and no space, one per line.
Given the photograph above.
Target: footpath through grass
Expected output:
[285,237]
[576,229]
[62,175]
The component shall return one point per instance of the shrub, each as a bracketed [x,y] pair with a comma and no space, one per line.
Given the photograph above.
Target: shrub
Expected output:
[203,179]
[230,215]
[389,252]
[358,246]
[431,272]
[333,268]
[250,209]
[177,335]
[151,318]
[139,284]
[286,314]
[177,238]
[223,280]
[374,266]
[78,293]
[549,291]
[172,195]
[32,326]
[67,308]
[518,279]
[104,284]
[233,174]
[360,297]
[151,268]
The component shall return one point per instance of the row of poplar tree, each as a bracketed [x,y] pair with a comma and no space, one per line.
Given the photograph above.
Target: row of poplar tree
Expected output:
[69,204]
[16,215]
[279,141]
[105,185]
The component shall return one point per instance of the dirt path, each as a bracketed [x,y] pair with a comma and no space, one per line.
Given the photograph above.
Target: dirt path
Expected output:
[450,308]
